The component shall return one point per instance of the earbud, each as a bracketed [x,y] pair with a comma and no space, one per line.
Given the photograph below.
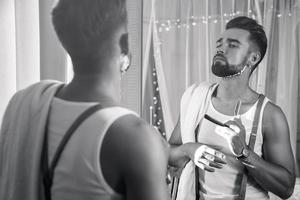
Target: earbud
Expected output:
[125,63]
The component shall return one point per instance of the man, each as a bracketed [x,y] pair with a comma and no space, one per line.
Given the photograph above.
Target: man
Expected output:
[113,154]
[222,152]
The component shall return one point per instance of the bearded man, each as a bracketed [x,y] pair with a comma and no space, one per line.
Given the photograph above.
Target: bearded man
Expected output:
[232,142]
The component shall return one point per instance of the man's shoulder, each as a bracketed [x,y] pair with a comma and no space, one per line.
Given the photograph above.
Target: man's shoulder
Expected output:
[133,139]
[272,110]
[273,118]
[133,128]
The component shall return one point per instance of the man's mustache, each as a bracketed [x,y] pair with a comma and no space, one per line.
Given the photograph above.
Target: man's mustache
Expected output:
[219,55]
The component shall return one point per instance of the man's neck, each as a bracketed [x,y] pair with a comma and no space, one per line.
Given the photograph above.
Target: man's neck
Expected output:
[93,88]
[232,89]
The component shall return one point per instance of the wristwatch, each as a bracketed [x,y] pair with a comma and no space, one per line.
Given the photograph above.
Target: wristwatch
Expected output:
[244,154]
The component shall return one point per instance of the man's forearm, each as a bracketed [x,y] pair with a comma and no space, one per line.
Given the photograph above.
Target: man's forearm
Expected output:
[180,154]
[271,177]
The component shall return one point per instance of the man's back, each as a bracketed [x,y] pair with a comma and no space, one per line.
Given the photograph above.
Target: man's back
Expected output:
[80,174]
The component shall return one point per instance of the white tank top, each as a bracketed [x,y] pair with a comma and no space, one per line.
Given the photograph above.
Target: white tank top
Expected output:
[78,173]
[224,183]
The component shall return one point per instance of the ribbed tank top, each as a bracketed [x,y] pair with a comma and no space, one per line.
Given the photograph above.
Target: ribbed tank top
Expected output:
[225,183]
[78,173]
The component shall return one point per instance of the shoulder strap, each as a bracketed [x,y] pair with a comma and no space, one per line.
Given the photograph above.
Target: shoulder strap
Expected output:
[48,172]
[251,145]
[198,194]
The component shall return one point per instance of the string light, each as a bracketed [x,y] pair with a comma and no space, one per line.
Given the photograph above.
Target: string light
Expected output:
[168,25]
[156,115]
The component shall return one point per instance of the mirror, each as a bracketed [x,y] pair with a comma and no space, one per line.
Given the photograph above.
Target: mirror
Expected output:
[179,40]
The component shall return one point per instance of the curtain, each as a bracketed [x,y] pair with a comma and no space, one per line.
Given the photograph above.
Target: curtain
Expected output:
[179,43]
[29,50]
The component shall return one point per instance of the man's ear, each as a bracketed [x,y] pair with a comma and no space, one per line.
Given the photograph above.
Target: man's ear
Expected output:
[254,58]
[124,43]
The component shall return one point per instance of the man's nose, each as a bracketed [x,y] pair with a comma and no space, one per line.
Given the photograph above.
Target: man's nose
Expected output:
[220,51]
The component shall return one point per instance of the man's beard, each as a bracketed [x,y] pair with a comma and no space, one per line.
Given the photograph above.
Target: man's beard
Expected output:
[222,68]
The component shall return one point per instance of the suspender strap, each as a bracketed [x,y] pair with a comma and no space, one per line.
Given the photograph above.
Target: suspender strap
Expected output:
[48,172]
[174,188]
[198,194]
[251,145]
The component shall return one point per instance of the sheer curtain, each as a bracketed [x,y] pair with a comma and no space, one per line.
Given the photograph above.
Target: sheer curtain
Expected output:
[182,34]
[29,49]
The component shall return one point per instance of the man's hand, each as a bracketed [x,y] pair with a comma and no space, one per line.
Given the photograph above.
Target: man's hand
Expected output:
[234,135]
[208,158]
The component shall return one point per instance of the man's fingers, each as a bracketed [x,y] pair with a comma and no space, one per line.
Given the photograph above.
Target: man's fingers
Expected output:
[200,165]
[209,157]
[220,155]
[209,169]
[205,167]
[215,153]
[219,160]
[216,165]
[208,165]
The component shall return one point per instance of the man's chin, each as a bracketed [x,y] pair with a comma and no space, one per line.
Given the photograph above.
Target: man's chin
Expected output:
[219,61]
[221,71]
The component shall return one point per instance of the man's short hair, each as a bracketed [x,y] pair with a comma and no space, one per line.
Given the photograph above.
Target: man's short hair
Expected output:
[257,33]
[87,27]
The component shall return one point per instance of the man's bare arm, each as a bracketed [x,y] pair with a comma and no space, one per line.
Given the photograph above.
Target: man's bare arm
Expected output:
[275,172]
[137,159]
[180,153]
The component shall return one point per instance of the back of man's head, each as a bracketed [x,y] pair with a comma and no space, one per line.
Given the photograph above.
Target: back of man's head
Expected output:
[257,33]
[87,28]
